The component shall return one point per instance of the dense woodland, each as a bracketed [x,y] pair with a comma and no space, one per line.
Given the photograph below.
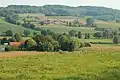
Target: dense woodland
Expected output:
[101,13]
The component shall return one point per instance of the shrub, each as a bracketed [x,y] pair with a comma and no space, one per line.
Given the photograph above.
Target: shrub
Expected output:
[39,46]
[64,42]
[72,33]
[82,45]
[87,44]
[18,37]
[14,48]
[11,48]
[9,33]
[74,44]
[89,21]
[35,33]
[56,45]
[79,35]
[47,46]
[98,35]
[87,36]
[7,48]
[116,39]
[30,44]
[26,32]
[61,52]
[4,40]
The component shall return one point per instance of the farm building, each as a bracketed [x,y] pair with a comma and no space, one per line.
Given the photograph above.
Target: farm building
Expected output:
[17,44]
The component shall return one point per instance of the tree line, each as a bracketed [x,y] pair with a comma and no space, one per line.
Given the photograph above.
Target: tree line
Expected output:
[101,13]
[48,41]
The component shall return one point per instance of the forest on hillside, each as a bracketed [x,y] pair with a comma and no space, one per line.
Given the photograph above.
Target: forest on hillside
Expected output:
[101,13]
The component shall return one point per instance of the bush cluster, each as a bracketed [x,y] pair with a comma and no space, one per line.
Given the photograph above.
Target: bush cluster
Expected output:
[50,41]
[11,48]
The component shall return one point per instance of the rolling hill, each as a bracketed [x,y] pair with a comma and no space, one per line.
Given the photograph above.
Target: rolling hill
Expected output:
[102,13]
[4,26]
[63,12]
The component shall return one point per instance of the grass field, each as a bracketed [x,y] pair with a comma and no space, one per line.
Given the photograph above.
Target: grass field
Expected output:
[61,17]
[95,63]
[61,29]
[109,25]
[97,40]
[31,14]
[4,26]
[99,62]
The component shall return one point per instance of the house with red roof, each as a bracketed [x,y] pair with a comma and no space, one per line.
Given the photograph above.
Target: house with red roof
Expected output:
[17,44]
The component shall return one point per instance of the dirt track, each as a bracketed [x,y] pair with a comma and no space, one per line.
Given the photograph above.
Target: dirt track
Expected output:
[18,53]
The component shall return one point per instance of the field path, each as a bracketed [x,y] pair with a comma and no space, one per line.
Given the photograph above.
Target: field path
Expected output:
[19,53]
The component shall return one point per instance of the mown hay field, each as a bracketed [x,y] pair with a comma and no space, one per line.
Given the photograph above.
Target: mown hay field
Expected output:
[97,40]
[96,63]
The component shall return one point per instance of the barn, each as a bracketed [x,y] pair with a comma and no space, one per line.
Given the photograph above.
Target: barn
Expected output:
[17,44]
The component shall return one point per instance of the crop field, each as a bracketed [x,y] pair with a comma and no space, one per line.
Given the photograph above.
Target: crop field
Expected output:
[48,17]
[95,63]
[97,40]
[109,25]
[61,17]
[64,18]
[62,29]
[30,14]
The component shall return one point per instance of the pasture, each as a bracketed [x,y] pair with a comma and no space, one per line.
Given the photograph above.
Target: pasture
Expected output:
[99,62]
[109,25]
[97,40]
[61,17]
[62,29]
[4,26]
[31,14]
[95,63]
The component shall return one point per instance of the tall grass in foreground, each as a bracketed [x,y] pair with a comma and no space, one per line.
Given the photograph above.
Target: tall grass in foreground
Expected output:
[87,64]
